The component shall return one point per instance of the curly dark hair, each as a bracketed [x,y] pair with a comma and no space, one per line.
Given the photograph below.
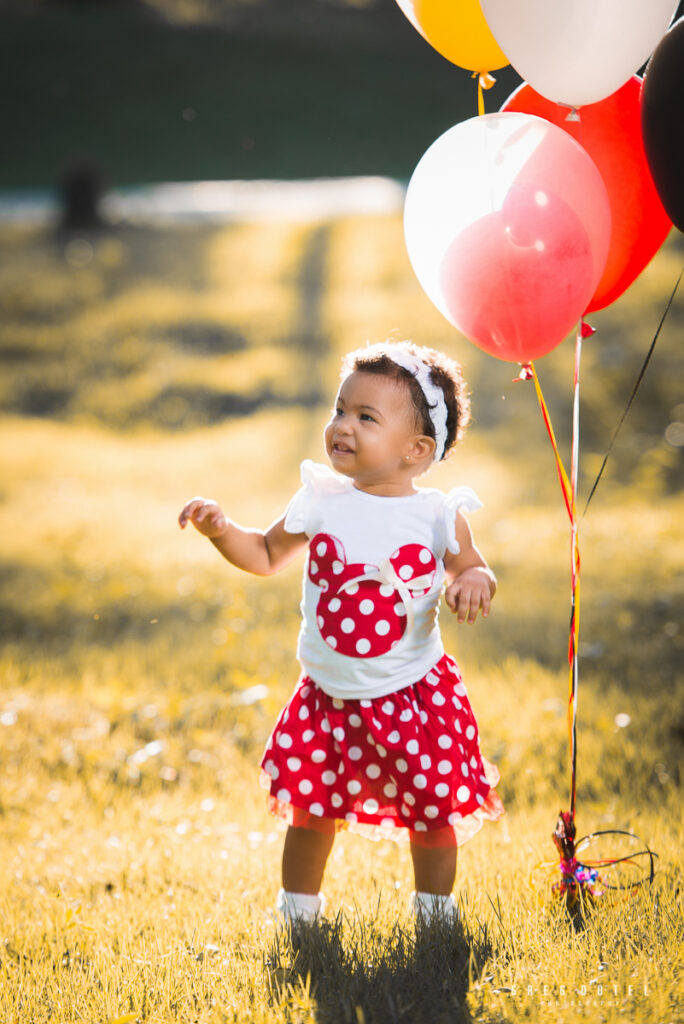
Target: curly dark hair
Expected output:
[445,373]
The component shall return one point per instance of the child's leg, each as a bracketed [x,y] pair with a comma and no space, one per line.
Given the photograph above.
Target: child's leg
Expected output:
[307,845]
[434,868]
[434,861]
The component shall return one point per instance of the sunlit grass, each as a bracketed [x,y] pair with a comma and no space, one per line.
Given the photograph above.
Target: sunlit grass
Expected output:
[130,854]
[139,863]
[142,674]
[136,877]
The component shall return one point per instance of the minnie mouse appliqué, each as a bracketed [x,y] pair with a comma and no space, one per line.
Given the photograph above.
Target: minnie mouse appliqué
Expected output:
[364,610]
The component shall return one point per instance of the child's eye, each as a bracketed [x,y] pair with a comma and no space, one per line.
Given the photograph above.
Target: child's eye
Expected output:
[367,416]
[339,412]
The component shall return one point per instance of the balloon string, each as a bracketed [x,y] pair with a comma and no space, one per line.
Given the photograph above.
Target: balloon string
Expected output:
[569,492]
[573,651]
[480,93]
[562,475]
[634,391]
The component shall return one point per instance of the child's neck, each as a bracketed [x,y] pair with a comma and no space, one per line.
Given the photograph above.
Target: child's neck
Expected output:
[396,485]
[386,490]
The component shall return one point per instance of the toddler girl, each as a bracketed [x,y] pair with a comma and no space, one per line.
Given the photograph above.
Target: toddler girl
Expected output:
[379,735]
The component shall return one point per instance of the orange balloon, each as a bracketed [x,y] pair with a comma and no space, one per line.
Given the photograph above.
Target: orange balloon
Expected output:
[457,29]
[610,132]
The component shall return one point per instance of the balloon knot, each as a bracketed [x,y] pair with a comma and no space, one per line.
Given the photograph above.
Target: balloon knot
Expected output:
[526,373]
[587,330]
[573,115]
[486,80]
[568,866]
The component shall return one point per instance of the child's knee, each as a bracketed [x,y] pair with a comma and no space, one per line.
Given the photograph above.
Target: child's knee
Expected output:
[303,819]
[438,838]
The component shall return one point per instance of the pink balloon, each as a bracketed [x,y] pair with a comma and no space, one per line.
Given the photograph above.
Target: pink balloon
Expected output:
[507,225]
[517,279]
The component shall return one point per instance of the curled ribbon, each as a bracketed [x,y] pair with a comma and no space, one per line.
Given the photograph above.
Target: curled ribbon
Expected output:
[484,81]
[386,575]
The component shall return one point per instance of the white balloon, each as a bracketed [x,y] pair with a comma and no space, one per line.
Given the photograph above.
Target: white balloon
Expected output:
[507,227]
[464,175]
[577,51]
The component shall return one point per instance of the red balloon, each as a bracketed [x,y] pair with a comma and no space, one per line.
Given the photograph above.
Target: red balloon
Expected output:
[516,278]
[610,131]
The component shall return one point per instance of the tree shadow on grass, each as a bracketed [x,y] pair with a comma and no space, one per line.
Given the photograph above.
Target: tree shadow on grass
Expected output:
[352,971]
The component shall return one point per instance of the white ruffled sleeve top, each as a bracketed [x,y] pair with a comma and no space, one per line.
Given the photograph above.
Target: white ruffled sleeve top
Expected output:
[372,581]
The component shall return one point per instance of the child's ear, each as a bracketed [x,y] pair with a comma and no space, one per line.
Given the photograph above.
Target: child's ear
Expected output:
[421,448]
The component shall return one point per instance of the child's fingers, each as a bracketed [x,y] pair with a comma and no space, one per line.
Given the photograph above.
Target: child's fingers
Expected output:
[461,602]
[213,518]
[475,605]
[469,606]
[466,602]
[209,519]
[191,511]
[458,600]
[186,512]
[479,599]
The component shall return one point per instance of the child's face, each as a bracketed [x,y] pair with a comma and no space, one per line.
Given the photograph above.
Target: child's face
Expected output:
[371,430]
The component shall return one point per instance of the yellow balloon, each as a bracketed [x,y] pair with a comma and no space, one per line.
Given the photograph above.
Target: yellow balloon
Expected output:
[457,29]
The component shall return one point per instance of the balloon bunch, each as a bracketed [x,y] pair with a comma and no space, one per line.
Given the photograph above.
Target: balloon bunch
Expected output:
[519,223]
[517,227]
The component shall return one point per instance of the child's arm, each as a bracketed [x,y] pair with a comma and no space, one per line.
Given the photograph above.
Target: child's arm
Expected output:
[471,584]
[263,552]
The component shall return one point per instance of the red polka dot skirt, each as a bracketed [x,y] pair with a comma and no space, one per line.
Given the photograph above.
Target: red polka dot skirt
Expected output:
[382,767]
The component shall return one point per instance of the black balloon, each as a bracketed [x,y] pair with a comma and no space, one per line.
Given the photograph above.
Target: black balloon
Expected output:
[662,121]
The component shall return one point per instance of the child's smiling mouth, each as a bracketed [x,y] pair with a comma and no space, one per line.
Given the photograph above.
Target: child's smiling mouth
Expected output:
[339,448]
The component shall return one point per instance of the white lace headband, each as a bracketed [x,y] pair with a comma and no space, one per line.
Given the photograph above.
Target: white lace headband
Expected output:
[434,396]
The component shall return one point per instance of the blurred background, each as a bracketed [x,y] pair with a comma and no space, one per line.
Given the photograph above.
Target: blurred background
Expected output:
[180,90]
[158,343]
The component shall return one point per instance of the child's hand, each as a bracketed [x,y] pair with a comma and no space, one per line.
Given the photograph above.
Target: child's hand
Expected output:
[205,516]
[470,592]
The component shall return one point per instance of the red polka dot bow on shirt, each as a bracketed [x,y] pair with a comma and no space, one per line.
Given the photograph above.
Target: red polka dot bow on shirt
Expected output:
[386,575]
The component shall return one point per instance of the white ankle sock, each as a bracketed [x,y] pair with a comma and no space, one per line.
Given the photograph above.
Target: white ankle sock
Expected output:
[299,906]
[428,905]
